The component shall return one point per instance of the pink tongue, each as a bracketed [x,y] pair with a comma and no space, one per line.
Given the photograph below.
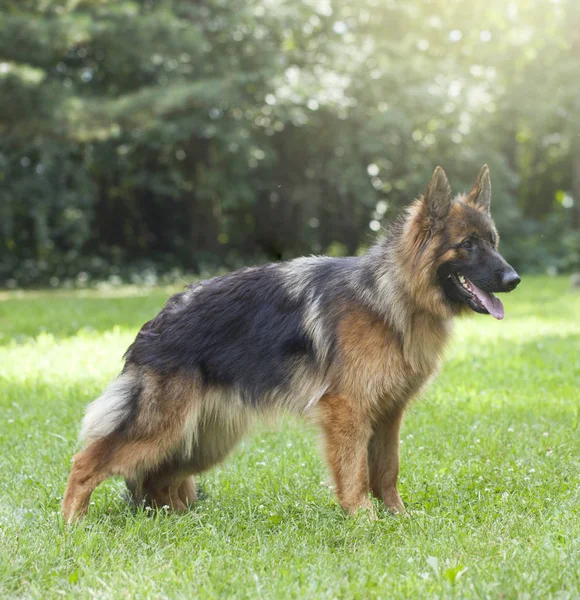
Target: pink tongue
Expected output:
[493,304]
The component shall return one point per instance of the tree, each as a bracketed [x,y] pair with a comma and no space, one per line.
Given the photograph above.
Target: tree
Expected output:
[216,133]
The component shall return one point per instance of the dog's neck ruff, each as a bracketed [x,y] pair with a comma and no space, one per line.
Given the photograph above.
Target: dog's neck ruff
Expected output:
[398,301]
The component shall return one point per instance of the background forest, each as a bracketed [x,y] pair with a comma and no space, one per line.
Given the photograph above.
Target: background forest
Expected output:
[155,137]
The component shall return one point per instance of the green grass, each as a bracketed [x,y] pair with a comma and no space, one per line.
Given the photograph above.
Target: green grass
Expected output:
[490,473]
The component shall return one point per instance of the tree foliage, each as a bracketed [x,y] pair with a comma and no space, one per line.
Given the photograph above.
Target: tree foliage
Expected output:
[197,134]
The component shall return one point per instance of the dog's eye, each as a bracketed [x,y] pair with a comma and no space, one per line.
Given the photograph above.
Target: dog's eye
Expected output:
[467,244]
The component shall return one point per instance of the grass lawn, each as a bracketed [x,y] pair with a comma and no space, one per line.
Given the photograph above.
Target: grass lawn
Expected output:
[490,473]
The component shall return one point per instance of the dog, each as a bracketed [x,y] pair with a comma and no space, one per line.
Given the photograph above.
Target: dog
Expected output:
[347,342]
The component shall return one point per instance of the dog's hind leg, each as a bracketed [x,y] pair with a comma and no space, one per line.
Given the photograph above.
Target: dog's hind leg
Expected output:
[116,455]
[187,491]
[176,490]
[208,439]
[172,483]
[135,443]
[164,493]
[172,488]
[90,468]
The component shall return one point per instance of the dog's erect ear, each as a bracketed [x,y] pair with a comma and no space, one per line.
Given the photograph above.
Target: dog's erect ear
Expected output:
[480,195]
[438,196]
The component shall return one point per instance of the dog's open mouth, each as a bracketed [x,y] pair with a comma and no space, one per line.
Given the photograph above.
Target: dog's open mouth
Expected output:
[476,298]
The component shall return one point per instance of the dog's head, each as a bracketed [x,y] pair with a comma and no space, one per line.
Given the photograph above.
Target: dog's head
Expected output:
[465,267]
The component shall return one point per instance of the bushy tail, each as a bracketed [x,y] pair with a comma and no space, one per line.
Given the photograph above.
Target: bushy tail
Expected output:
[110,409]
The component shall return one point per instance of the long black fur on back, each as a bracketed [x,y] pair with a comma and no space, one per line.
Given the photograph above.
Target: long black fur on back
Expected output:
[243,329]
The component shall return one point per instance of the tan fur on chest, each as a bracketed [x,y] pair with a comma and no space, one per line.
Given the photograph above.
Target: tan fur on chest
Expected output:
[381,367]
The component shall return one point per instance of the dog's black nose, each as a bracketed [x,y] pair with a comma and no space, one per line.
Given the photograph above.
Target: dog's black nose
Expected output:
[510,280]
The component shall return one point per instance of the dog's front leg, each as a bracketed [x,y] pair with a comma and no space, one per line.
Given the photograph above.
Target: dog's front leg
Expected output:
[347,431]
[384,460]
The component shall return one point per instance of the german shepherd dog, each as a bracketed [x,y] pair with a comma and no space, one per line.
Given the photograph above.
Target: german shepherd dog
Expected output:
[346,341]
